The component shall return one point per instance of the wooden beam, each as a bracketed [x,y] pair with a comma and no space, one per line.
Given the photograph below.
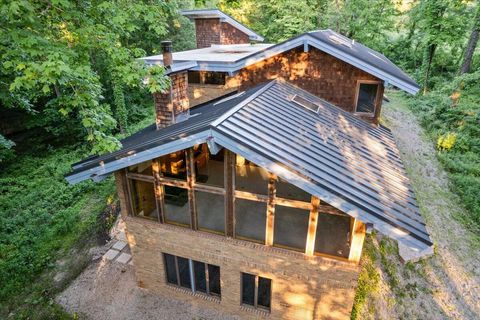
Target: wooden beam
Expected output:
[159,190]
[122,191]
[357,239]
[293,203]
[251,196]
[229,169]
[312,227]
[173,182]
[138,176]
[209,189]
[270,210]
[191,192]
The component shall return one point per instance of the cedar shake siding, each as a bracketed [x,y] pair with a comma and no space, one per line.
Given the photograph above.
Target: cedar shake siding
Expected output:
[231,35]
[172,102]
[207,32]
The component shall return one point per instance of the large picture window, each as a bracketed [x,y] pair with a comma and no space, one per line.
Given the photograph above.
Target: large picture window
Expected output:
[249,177]
[176,206]
[367,97]
[291,228]
[333,235]
[210,212]
[250,220]
[209,168]
[174,165]
[191,274]
[256,291]
[143,199]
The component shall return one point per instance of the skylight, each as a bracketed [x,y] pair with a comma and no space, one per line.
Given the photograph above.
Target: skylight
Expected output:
[339,39]
[312,106]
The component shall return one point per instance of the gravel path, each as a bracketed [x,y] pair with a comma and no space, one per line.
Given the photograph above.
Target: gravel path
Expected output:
[447,285]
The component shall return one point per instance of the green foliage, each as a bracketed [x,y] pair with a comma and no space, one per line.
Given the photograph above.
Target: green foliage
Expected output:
[6,151]
[454,109]
[41,214]
[54,55]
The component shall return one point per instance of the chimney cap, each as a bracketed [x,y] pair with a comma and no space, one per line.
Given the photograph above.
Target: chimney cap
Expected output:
[166,46]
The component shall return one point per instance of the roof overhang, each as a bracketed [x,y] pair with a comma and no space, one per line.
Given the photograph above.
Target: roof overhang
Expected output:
[215,13]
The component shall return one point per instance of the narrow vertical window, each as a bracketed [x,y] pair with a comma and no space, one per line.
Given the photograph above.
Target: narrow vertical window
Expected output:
[200,276]
[256,291]
[170,268]
[214,279]
[184,272]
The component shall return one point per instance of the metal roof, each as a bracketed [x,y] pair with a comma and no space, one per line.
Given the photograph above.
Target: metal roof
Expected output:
[346,162]
[215,13]
[328,41]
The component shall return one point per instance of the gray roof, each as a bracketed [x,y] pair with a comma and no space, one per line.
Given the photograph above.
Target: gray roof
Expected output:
[215,13]
[346,162]
[236,57]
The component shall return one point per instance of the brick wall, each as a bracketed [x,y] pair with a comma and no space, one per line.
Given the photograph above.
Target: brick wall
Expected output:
[231,35]
[207,32]
[302,287]
[172,102]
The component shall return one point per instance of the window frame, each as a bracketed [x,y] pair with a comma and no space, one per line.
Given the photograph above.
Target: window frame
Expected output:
[191,269]
[255,294]
[357,96]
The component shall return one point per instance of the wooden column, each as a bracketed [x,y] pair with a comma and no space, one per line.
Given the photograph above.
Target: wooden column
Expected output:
[229,169]
[191,192]
[270,210]
[122,191]
[356,243]
[159,190]
[312,226]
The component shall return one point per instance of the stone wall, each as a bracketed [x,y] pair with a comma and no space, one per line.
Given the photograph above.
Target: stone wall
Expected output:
[302,287]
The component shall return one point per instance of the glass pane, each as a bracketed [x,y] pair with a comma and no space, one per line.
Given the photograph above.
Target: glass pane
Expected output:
[208,167]
[366,97]
[174,165]
[143,199]
[250,219]
[291,227]
[214,279]
[333,235]
[210,211]
[200,279]
[250,177]
[170,268]
[177,210]
[184,271]
[289,191]
[264,290]
[142,168]
[248,289]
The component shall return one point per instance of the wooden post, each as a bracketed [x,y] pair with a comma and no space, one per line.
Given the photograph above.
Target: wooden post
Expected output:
[229,169]
[270,209]
[191,192]
[312,227]
[159,190]
[122,191]
[356,243]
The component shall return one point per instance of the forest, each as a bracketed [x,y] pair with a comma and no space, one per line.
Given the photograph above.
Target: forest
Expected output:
[71,85]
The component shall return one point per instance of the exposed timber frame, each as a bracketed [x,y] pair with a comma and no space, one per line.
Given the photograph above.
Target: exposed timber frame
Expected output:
[315,207]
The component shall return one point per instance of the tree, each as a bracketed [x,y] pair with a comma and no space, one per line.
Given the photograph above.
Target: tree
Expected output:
[55,54]
[472,44]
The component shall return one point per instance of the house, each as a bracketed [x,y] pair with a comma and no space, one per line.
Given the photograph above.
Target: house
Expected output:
[254,188]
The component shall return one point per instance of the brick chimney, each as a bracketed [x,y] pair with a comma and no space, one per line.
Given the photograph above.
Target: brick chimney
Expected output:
[173,101]
[210,31]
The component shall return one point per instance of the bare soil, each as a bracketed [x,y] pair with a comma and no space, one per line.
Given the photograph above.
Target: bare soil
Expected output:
[446,285]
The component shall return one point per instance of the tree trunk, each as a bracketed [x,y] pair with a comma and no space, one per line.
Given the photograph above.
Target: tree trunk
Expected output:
[472,44]
[427,63]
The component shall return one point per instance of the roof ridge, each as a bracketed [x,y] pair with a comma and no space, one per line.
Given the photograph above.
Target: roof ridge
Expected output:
[242,103]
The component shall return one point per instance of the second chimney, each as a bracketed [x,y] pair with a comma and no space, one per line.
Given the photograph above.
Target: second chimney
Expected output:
[173,102]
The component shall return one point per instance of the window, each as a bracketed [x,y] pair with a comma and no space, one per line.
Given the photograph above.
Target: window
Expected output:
[209,168]
[249,177]
[289,191]
[174,165]
[367,96]
[290,228]
[194,77]
[333,235]
[143,199]
[256,291]
[250,220]
[191,274]
[177,209]
[142,168]
[210,211]
[217,78]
